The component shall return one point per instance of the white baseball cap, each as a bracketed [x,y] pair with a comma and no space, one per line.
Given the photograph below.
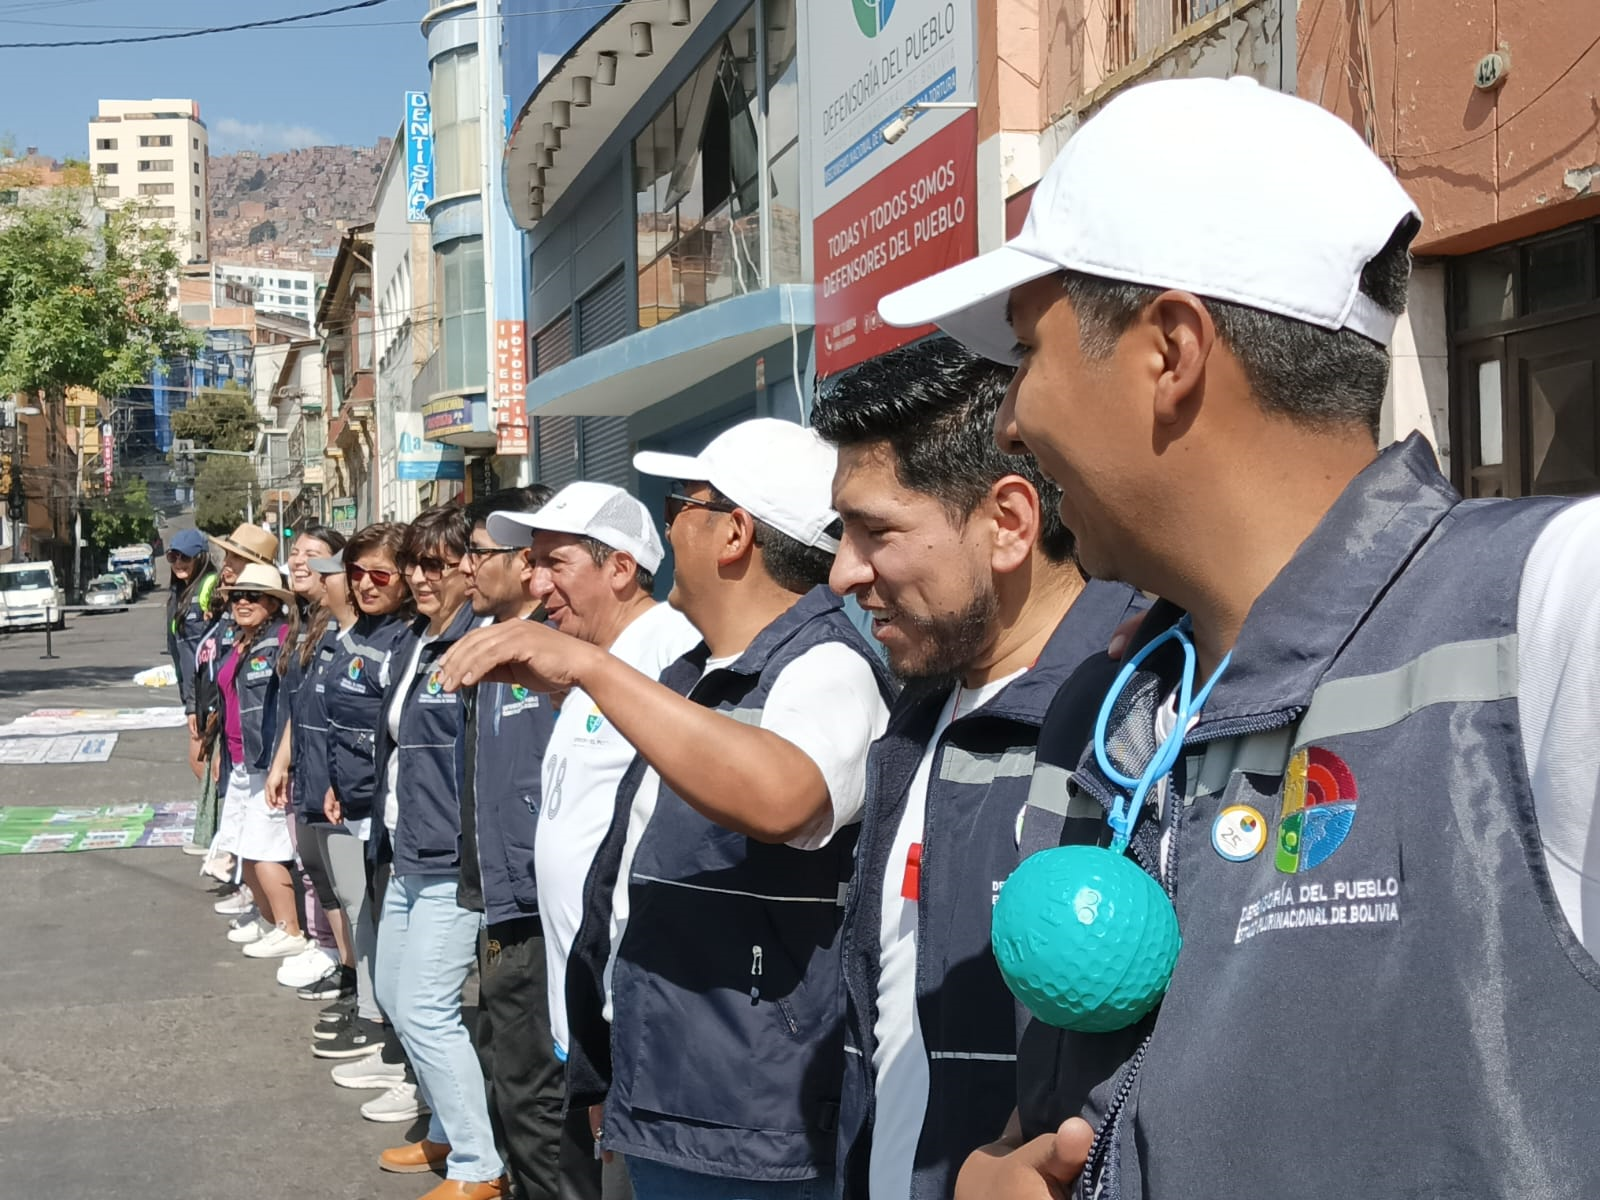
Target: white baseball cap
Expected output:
[1222,188]
[778,472]
[600,511]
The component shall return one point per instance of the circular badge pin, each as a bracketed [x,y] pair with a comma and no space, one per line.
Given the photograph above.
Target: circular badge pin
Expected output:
[1239,833]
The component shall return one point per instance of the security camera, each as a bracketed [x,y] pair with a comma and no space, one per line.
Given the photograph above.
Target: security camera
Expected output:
[896,129]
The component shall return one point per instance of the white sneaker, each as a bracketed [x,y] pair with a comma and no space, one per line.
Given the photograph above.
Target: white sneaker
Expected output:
[306,967]
[399,1103]
[369,1072]
[220,867]
[252,930]
[277,944]
[195,849]
[238,904]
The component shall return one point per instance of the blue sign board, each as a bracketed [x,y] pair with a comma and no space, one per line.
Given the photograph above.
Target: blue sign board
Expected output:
[419,156]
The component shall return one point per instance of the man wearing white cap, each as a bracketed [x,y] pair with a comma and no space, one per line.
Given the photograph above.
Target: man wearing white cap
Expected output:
[595,552]
[1379,828]
[710,937]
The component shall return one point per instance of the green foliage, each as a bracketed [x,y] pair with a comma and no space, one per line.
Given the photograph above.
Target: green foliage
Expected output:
[84,303]
[223,419]
[220,491]
[122,518]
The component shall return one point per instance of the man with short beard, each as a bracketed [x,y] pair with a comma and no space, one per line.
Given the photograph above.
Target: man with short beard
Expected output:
[958,555]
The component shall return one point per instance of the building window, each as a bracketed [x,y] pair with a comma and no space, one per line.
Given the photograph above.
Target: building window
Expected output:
[107,168]
[105,143]
[197,191]
[155,164]
[155,139]
[197,214]
[155,189]
[161,210]
[697,175]
[196,167]
[197,143]
[300,285]
[1525,366]
[456,161]
[106,191]
[461,305]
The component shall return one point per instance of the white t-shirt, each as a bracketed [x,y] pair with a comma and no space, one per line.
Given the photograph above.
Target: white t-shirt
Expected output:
[391,783]
[828,704]
[900,1061]
[583,764]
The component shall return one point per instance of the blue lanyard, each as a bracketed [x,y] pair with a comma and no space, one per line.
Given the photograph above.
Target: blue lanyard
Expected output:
[1125,810]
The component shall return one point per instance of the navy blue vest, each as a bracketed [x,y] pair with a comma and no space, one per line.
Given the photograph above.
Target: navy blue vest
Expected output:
[352,704]
[427,836]
[1377,994]
[728,1050]
[308,751]
[976,793]
[186,625]
[257,683]
[508,729]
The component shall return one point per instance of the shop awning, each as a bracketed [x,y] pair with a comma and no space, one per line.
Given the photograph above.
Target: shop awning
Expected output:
[646,367]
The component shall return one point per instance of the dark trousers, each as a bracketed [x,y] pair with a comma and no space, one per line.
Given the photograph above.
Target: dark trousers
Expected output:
[526,1088]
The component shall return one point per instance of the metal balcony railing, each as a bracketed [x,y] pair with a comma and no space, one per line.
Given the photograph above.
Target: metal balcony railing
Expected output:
[1135,28]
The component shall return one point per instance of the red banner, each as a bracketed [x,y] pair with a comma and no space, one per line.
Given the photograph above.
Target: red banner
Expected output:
[511,387]
[915,218]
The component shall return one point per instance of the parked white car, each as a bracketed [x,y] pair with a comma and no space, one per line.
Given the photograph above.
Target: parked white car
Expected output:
[105,595]
[29,595]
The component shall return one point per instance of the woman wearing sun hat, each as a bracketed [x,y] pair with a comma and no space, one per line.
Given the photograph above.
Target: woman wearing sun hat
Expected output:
[264,617]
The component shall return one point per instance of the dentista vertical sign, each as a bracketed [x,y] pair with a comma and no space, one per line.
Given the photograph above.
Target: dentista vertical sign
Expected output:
[888,213]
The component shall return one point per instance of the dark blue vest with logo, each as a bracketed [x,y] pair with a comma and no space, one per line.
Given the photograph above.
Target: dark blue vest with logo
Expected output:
[728,1052]
[352,704]
[509,728]
[1378,993]
[427,836]
[257,684]
[308,750]
[976,793]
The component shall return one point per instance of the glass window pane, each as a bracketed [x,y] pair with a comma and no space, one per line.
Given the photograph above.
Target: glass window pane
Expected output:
[1491,421]
[1487,289]
[784,218]
[1556,274]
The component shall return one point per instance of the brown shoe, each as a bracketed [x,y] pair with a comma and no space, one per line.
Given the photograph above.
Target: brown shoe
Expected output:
[457,1189]
[414,1157]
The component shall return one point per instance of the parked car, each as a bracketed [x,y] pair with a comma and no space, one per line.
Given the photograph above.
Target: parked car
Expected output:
[105,595]
[124,581]
[29,595]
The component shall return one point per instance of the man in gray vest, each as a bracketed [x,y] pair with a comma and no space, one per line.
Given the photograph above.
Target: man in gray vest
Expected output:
[709,942]
[1378,830]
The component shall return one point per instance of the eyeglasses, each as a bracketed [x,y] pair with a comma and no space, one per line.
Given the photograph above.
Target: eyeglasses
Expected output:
[433,569]
[491,551]
[677,502]
[238,597]
[379,578]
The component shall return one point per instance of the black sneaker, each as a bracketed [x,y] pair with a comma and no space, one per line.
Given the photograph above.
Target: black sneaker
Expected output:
[338,980]
[360,1037]
[338,1011]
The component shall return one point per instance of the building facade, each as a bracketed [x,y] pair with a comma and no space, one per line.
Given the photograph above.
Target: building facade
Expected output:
[154,152]
[280,290]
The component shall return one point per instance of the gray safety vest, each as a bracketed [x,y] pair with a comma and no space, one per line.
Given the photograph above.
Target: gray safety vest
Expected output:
[1385,998]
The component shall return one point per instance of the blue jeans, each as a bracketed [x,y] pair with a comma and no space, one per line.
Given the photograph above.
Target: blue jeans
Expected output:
[657,1181]
[426,944]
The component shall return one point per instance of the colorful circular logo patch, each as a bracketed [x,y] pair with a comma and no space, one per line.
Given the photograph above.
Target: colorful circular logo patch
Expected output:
[435,683]
[1319,807]
[353,671]
[518,693]
[1239,833]
[259,662]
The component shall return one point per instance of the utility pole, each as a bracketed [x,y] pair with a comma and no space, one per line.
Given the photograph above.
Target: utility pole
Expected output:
[77,510]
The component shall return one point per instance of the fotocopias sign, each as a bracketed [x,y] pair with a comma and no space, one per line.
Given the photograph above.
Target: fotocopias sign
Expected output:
[888,212]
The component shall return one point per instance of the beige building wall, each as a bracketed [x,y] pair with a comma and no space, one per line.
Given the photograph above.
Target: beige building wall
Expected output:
[154,152]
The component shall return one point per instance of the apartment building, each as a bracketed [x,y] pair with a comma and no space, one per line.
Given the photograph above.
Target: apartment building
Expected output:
[154,152]
[275,289]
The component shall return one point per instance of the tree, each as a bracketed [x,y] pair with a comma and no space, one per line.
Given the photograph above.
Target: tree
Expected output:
[221,488]
[122,518]
[220,419]
[83,301]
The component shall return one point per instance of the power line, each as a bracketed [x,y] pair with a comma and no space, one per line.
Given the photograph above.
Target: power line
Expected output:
[171,36]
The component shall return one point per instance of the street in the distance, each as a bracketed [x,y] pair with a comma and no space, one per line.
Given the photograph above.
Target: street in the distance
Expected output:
[144,1057]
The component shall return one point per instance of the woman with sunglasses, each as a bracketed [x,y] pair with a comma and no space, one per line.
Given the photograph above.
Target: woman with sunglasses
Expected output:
[264,619]
[348,706]
[426,941]
[189,595]
[299,771]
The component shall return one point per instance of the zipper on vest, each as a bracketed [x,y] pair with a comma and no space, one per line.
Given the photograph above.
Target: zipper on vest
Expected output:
[755,974]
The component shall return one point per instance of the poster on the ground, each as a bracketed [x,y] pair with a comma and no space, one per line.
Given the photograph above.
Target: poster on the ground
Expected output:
[54,722]
[108,827]
[74,748]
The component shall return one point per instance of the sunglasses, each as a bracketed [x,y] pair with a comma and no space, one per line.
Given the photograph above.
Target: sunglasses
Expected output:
[379,578]
[677,502]
[433,569]
[179,556]
[240,597]
[491,551]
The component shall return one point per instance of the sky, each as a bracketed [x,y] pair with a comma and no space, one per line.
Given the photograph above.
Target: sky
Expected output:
[338,80]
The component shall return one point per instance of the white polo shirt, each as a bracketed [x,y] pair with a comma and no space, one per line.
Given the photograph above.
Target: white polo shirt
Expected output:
[583,764]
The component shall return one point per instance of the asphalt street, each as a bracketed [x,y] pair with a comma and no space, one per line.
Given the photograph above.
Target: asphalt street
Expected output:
[141,1055]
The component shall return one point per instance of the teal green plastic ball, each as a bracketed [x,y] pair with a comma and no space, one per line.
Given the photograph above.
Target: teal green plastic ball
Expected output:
[1085,939]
